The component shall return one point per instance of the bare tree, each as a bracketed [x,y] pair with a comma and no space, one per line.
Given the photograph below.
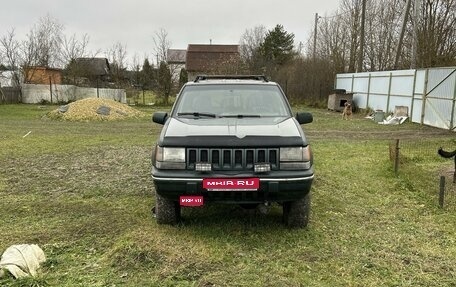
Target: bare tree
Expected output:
[161,45]
[136,69]
[383,28]
[10,53]
[250,43]
[45,37]
[331,43]
[117,56]
[352,9]
[249,46]
[437,33]
[73,48]
[42,46]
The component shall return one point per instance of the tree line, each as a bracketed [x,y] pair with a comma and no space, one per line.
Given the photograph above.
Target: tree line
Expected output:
[307,72]
[47,45]
[361,35]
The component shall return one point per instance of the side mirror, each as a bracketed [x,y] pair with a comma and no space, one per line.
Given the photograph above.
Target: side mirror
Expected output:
[304,118]
[160,117]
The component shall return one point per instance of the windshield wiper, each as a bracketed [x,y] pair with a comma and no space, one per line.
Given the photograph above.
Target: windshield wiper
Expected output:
[198,114]
[240,116]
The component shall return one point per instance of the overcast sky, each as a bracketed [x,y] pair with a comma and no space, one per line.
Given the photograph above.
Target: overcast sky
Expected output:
[133,22]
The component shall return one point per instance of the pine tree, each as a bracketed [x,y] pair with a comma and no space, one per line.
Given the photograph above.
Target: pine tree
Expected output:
[183,77]
[164,82]
[277,47]
[147,75]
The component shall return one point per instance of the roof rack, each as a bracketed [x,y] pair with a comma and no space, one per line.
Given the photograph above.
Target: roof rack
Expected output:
[231,77]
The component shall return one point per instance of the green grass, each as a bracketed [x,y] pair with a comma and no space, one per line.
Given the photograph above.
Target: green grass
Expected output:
[83,192]
[146,98]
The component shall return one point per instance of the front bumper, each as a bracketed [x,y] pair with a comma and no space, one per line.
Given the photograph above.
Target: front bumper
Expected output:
[277,186]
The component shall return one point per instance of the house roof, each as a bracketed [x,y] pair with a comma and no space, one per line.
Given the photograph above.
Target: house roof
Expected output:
[206,58]
[42,68]
[205,48]
[93,66]
[176,56]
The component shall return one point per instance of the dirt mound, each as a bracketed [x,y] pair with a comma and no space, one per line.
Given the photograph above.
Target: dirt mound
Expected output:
[94,109]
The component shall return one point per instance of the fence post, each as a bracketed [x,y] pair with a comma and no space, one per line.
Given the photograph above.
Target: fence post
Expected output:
[453,112]
[368,90]
[389,93]
[413,97]
[353,82]
[396,157]
[2,96]
[423,108]
[442,191]
[50,87]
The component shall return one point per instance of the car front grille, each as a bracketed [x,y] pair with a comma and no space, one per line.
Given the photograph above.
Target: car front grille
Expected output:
[232,159]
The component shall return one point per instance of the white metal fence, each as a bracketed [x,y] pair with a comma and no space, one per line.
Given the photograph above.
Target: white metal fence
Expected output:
[429,94]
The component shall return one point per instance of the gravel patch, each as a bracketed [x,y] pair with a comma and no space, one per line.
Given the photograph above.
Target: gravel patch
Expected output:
[94,109]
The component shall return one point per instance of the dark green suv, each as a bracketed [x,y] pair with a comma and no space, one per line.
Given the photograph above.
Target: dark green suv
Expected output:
[232,139]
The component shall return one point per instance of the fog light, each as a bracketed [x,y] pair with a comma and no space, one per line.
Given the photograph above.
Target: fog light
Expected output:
[203,166]
[262,167]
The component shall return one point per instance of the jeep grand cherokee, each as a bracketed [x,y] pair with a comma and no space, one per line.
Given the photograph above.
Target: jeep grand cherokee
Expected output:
[232,139]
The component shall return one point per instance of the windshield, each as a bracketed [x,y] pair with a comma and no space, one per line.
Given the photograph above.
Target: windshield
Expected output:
[231,100]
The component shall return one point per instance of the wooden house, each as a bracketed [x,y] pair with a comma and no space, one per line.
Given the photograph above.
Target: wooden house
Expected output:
[43,75]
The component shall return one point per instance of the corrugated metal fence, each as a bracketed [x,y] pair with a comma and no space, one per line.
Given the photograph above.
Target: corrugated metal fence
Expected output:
[429,94]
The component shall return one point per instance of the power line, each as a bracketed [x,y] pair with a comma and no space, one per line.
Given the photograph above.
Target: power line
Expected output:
[337,15]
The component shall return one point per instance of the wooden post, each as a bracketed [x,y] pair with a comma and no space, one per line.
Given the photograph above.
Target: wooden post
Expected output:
[423,107]
[359,69]
[396,157]
[50,87]
[413,97]
[389,93]
[442,191]
[452,120]
[368,90]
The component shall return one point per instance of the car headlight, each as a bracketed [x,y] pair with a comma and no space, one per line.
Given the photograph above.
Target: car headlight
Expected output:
[295,158]
[169,157]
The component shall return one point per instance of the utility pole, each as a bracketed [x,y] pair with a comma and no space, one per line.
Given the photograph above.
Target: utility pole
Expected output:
[416,18]
[361,45]
[315,37]
[401,37]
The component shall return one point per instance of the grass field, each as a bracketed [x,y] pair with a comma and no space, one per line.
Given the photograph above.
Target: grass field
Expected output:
[83,192]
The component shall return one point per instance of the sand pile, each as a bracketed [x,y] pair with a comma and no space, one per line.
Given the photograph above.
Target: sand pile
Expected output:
[94,109]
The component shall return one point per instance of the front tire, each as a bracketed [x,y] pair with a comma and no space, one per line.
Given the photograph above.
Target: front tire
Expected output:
[296,213]
[166,211]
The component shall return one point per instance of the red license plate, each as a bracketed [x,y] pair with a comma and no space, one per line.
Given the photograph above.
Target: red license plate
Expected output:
[194,200]
[231,184]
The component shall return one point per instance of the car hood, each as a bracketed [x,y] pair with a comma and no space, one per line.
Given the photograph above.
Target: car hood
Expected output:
[270,131]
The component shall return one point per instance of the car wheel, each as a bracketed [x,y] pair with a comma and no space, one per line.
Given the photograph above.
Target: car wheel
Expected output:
[296,213]
[166,211]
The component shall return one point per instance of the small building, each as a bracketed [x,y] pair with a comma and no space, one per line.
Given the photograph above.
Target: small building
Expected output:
[176,59]
[176,56]
[337,100]
[89,70]
[211,59]
[43,75]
